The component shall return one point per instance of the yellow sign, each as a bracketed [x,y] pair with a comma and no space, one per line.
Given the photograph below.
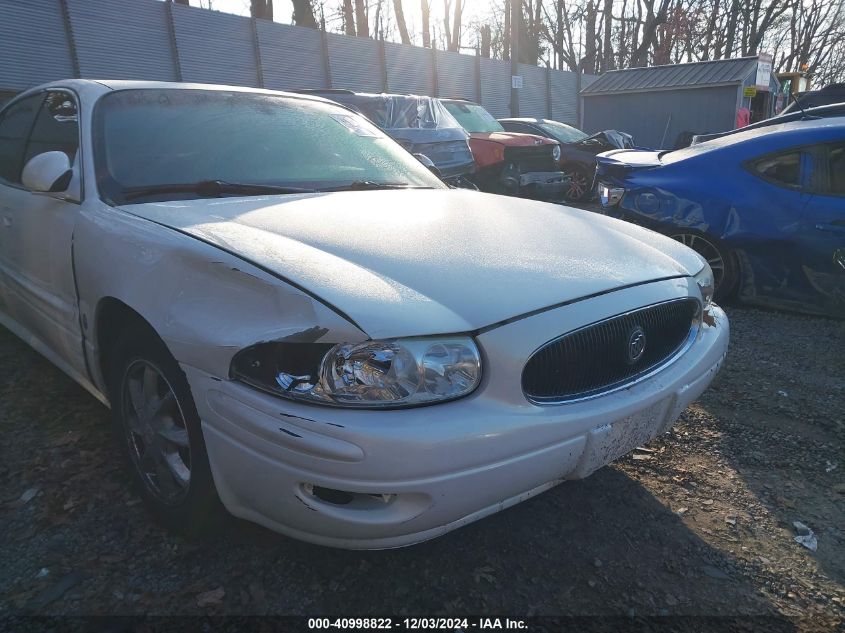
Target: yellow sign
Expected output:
[750,92]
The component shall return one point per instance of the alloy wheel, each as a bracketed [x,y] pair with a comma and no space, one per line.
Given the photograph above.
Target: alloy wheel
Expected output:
[708,250]
[578,186]
[155,432]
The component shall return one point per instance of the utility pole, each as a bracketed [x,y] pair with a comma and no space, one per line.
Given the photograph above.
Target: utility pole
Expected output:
[516,15]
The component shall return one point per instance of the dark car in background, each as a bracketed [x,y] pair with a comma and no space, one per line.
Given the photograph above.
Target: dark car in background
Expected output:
[578,150]
[765,207]
[830,94]
[422,125]
[509,163]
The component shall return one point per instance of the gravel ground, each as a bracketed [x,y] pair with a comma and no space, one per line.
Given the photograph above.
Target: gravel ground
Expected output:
[700,522]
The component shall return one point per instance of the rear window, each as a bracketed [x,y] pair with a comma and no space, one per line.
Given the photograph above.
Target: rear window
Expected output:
[782,169]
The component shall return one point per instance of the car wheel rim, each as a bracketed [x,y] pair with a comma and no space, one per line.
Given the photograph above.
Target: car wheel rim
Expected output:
[707,250]
[577,186]
[156,432]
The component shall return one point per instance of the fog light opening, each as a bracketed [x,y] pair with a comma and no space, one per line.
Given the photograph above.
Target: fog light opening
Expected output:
[344,498]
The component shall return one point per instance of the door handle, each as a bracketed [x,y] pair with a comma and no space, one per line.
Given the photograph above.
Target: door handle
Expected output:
[833,227]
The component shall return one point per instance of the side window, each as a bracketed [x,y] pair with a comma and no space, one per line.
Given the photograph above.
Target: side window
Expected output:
[836,169]
[56,127]
[15,124]
[781,169]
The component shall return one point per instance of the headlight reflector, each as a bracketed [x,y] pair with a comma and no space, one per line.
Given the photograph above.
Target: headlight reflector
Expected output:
[390,373]
[706,283]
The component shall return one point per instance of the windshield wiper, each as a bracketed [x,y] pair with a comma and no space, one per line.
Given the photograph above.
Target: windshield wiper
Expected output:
[211,189]
[363,185]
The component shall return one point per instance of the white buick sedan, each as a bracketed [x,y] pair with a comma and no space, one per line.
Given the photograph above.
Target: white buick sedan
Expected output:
[288,313]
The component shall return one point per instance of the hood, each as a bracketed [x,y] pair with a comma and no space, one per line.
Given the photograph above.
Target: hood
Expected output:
[417,262]
[512,139]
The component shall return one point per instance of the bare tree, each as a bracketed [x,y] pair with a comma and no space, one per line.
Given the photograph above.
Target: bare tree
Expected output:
[348,18]
[400,22]
[425,7]
[261,9]
[303,13]
[361,24]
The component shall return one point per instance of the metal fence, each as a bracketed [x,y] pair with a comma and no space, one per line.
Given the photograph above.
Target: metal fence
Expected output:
[43,40]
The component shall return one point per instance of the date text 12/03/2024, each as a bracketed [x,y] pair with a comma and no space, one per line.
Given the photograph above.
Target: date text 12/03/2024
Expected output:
[413,624]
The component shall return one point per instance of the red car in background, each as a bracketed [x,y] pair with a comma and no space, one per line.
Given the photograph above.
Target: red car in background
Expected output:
[524,165]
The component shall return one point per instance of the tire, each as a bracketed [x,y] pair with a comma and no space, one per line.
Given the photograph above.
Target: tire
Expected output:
[721,259]
[158,428]
[580,186]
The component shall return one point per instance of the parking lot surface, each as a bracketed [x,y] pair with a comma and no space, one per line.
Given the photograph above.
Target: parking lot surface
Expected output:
[700,522]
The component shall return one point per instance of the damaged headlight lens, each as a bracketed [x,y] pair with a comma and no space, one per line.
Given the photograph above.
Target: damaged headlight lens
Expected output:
[706,283]
[392,373]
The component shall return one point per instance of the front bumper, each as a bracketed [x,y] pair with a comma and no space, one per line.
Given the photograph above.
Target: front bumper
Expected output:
[441,466]
[545,183]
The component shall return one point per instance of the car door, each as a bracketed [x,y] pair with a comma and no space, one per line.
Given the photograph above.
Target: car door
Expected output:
[770,198]
[38,235]
[821,241]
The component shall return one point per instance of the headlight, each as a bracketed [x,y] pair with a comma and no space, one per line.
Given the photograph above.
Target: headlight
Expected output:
[704,279]
[556,153]
[391,373]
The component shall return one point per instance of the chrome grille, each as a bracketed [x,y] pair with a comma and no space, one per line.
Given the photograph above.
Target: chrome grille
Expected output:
[603,356]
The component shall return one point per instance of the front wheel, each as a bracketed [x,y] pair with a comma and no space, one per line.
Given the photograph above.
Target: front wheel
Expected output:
[158,426]
[580,186]
[722,261]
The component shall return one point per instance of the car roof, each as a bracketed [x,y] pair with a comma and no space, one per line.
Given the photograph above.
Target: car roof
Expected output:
[97,87]
[811,131]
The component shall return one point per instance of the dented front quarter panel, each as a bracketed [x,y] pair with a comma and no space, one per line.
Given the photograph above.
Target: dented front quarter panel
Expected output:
[203,302]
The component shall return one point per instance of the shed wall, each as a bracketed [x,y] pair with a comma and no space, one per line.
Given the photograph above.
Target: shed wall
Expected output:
[657,118]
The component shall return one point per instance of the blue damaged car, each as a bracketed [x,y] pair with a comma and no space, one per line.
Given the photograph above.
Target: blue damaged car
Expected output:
[765,207]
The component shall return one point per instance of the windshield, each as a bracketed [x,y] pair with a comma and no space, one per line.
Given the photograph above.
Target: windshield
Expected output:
[473,118]
[402,112]
[562,132]
[152,139]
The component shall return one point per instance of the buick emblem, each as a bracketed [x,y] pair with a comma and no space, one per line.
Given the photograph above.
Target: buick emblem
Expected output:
[636,345]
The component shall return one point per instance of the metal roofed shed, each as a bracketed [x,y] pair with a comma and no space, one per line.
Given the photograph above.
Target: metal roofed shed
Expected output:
[663,106]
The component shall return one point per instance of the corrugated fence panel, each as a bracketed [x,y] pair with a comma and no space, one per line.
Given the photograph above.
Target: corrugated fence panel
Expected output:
[533,94]
[355,63]
[291,57]
[126,39]
[33,44]
[409,69]
[496,87]
[215,47]
[564,97]
[456,76]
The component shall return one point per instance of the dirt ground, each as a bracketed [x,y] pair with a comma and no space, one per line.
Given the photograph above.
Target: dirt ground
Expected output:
[699,523]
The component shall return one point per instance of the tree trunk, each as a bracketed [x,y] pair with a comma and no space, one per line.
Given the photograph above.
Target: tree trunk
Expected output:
[348,18]
[400,21]
[485,40]
[456,27]
[447,29]
[303,14]
[607,46]
[361,26]
[426,26]
[589,65]
[261,9]
[506,32]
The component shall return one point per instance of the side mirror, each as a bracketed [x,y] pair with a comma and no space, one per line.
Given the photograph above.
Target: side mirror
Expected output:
[429,164]
[49,172]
